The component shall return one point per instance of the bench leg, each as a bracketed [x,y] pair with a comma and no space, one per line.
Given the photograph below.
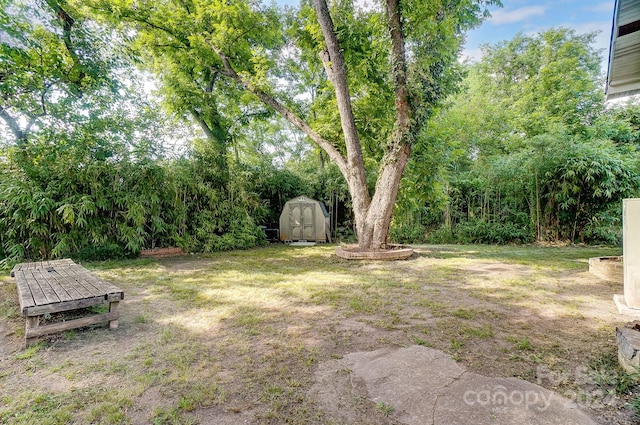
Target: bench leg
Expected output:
[113,308]
[32,323]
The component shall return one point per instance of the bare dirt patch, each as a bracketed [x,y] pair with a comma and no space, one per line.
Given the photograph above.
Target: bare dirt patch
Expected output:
[503,270]
[237,337]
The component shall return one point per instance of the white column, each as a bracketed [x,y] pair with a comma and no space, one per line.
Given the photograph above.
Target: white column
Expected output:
[631,251]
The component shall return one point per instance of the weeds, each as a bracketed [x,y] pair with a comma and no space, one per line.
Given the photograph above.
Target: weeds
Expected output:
[385,408]
[465,314]
[30,351]
[607,374]
[483,332]
[522,344]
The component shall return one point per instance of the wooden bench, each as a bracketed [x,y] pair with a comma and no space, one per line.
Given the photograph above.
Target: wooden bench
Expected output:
[46,287]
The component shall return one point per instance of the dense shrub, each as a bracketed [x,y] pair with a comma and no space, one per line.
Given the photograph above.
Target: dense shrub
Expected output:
[492,233]
[606,228]
[407,234]
[99,253]
[60,201]
[441,235]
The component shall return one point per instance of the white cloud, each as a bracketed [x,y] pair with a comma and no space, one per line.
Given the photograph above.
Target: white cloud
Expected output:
[604,7]
[516,15]
[470,55]
[602,27]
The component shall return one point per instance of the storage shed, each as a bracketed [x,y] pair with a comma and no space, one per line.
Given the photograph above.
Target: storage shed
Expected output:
[304,219]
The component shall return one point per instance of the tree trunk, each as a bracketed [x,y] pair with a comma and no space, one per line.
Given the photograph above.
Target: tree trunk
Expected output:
[372,216]
[538,210]
[375,227]
[336,69]
[218,135]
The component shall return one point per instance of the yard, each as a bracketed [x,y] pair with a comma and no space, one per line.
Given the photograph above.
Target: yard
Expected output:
[236,337]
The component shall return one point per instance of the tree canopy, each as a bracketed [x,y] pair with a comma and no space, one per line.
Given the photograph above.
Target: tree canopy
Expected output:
[530,147]
[403,57]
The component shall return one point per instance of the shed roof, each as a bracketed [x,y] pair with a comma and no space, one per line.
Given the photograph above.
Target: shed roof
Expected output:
[623,74]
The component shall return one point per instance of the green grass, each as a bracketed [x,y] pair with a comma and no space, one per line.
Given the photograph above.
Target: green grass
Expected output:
[465,314]
[245,330]
[521,344]
[483,332]
[572,257]
[30,351]
[384,408]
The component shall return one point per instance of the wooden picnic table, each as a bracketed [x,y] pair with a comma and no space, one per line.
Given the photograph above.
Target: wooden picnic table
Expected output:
[46,287]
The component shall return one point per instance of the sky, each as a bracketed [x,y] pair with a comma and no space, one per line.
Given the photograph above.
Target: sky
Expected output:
[534,16]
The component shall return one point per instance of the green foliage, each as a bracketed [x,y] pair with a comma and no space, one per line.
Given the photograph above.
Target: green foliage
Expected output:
[611,378]
[561,189]
[528,152]
[634,404]
[606,227]
[522,344]
[50,65]
[580,182]
[385,409]
[545,80]
[442,235]
[99,253]
[60,200]
[275,187]
[30,352]
[407,233]
[492,233]
[87,176]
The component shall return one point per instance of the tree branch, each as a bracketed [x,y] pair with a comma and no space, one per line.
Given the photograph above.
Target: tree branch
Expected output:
[214,77]
[289,115]
[43,103]
[13,125]
[131,15]
[333,61]
[404,109]
[205,127]
[67,24]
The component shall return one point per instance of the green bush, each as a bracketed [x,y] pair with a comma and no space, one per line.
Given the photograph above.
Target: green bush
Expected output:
[100,253]
[406,234]
[441,235]
[604,229]
[492,233]
[62,204]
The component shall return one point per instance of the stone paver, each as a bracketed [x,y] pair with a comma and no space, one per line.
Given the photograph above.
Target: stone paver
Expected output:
[425,386]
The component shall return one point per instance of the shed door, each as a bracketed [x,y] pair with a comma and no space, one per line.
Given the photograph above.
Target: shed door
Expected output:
[303,221]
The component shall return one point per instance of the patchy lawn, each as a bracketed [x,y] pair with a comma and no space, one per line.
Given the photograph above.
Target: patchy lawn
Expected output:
[236,337]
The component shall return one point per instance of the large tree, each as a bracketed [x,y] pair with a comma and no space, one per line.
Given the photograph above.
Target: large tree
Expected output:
[545,80]
[412,66]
